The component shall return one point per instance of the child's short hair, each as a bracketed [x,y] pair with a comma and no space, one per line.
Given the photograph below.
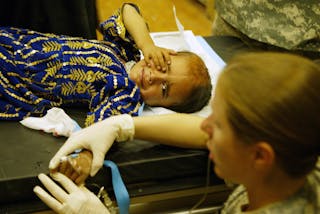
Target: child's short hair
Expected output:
[200,94]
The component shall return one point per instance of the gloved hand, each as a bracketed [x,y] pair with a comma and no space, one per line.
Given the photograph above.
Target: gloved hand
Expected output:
[98,139]
[76,166]
[77,199]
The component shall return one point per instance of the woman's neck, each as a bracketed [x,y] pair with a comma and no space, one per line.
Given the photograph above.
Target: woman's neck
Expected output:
[270,190]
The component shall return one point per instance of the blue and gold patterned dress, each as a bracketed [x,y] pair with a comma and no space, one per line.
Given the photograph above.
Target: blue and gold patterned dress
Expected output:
[40,71]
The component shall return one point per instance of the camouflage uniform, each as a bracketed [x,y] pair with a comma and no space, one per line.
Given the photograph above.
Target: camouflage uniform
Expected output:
[305,201]
[291,25]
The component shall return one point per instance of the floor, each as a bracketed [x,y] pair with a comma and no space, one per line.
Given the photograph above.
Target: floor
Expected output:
[192,14]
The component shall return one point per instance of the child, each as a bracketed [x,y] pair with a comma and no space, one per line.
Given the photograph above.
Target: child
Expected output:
[40,71]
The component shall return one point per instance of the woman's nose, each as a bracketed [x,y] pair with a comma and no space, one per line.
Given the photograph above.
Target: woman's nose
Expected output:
[206,127]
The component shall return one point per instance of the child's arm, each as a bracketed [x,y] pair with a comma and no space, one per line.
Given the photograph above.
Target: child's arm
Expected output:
[138,29]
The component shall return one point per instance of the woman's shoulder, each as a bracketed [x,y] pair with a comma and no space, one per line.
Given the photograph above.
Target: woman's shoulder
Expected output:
[305,201]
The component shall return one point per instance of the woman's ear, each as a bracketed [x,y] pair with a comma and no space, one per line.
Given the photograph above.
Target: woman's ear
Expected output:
[264,156]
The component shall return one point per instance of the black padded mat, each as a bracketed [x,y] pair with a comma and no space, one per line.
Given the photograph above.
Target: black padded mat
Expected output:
[146,167]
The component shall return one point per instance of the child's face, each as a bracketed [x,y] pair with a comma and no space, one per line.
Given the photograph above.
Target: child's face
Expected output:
[230,156]
[163,88]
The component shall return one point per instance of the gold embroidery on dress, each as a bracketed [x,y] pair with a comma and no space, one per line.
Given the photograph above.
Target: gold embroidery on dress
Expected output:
[135,109]
[52,68]
[36,39]
[109,27]
[28,55]
[4,82]
[92,60]
[105,60]
[44,60]
[133,91]
[123,52]
[89,120]
[127,106]
[8,47]
[79,45]
[22,99]
[19,85]
[82,52]
[51,46]
[90,76]
[118,92]
[120,26]
[122,97]
[3,115]
[67,88]
[81,87]
[105,107]
[6,35]
[115,82]
[76,60]
[101,95]
[6,59]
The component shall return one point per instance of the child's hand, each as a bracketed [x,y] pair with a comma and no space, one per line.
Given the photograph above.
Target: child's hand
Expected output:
[76,166]
[159,56]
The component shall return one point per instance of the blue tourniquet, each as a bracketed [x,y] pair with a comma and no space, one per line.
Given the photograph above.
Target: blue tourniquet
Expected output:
[120,190]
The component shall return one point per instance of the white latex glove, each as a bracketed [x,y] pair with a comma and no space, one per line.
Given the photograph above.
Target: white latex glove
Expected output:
[97,138]
[77,199]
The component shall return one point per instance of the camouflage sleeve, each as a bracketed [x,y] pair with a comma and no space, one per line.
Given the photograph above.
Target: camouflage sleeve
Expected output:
[293,25]
[235,201]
